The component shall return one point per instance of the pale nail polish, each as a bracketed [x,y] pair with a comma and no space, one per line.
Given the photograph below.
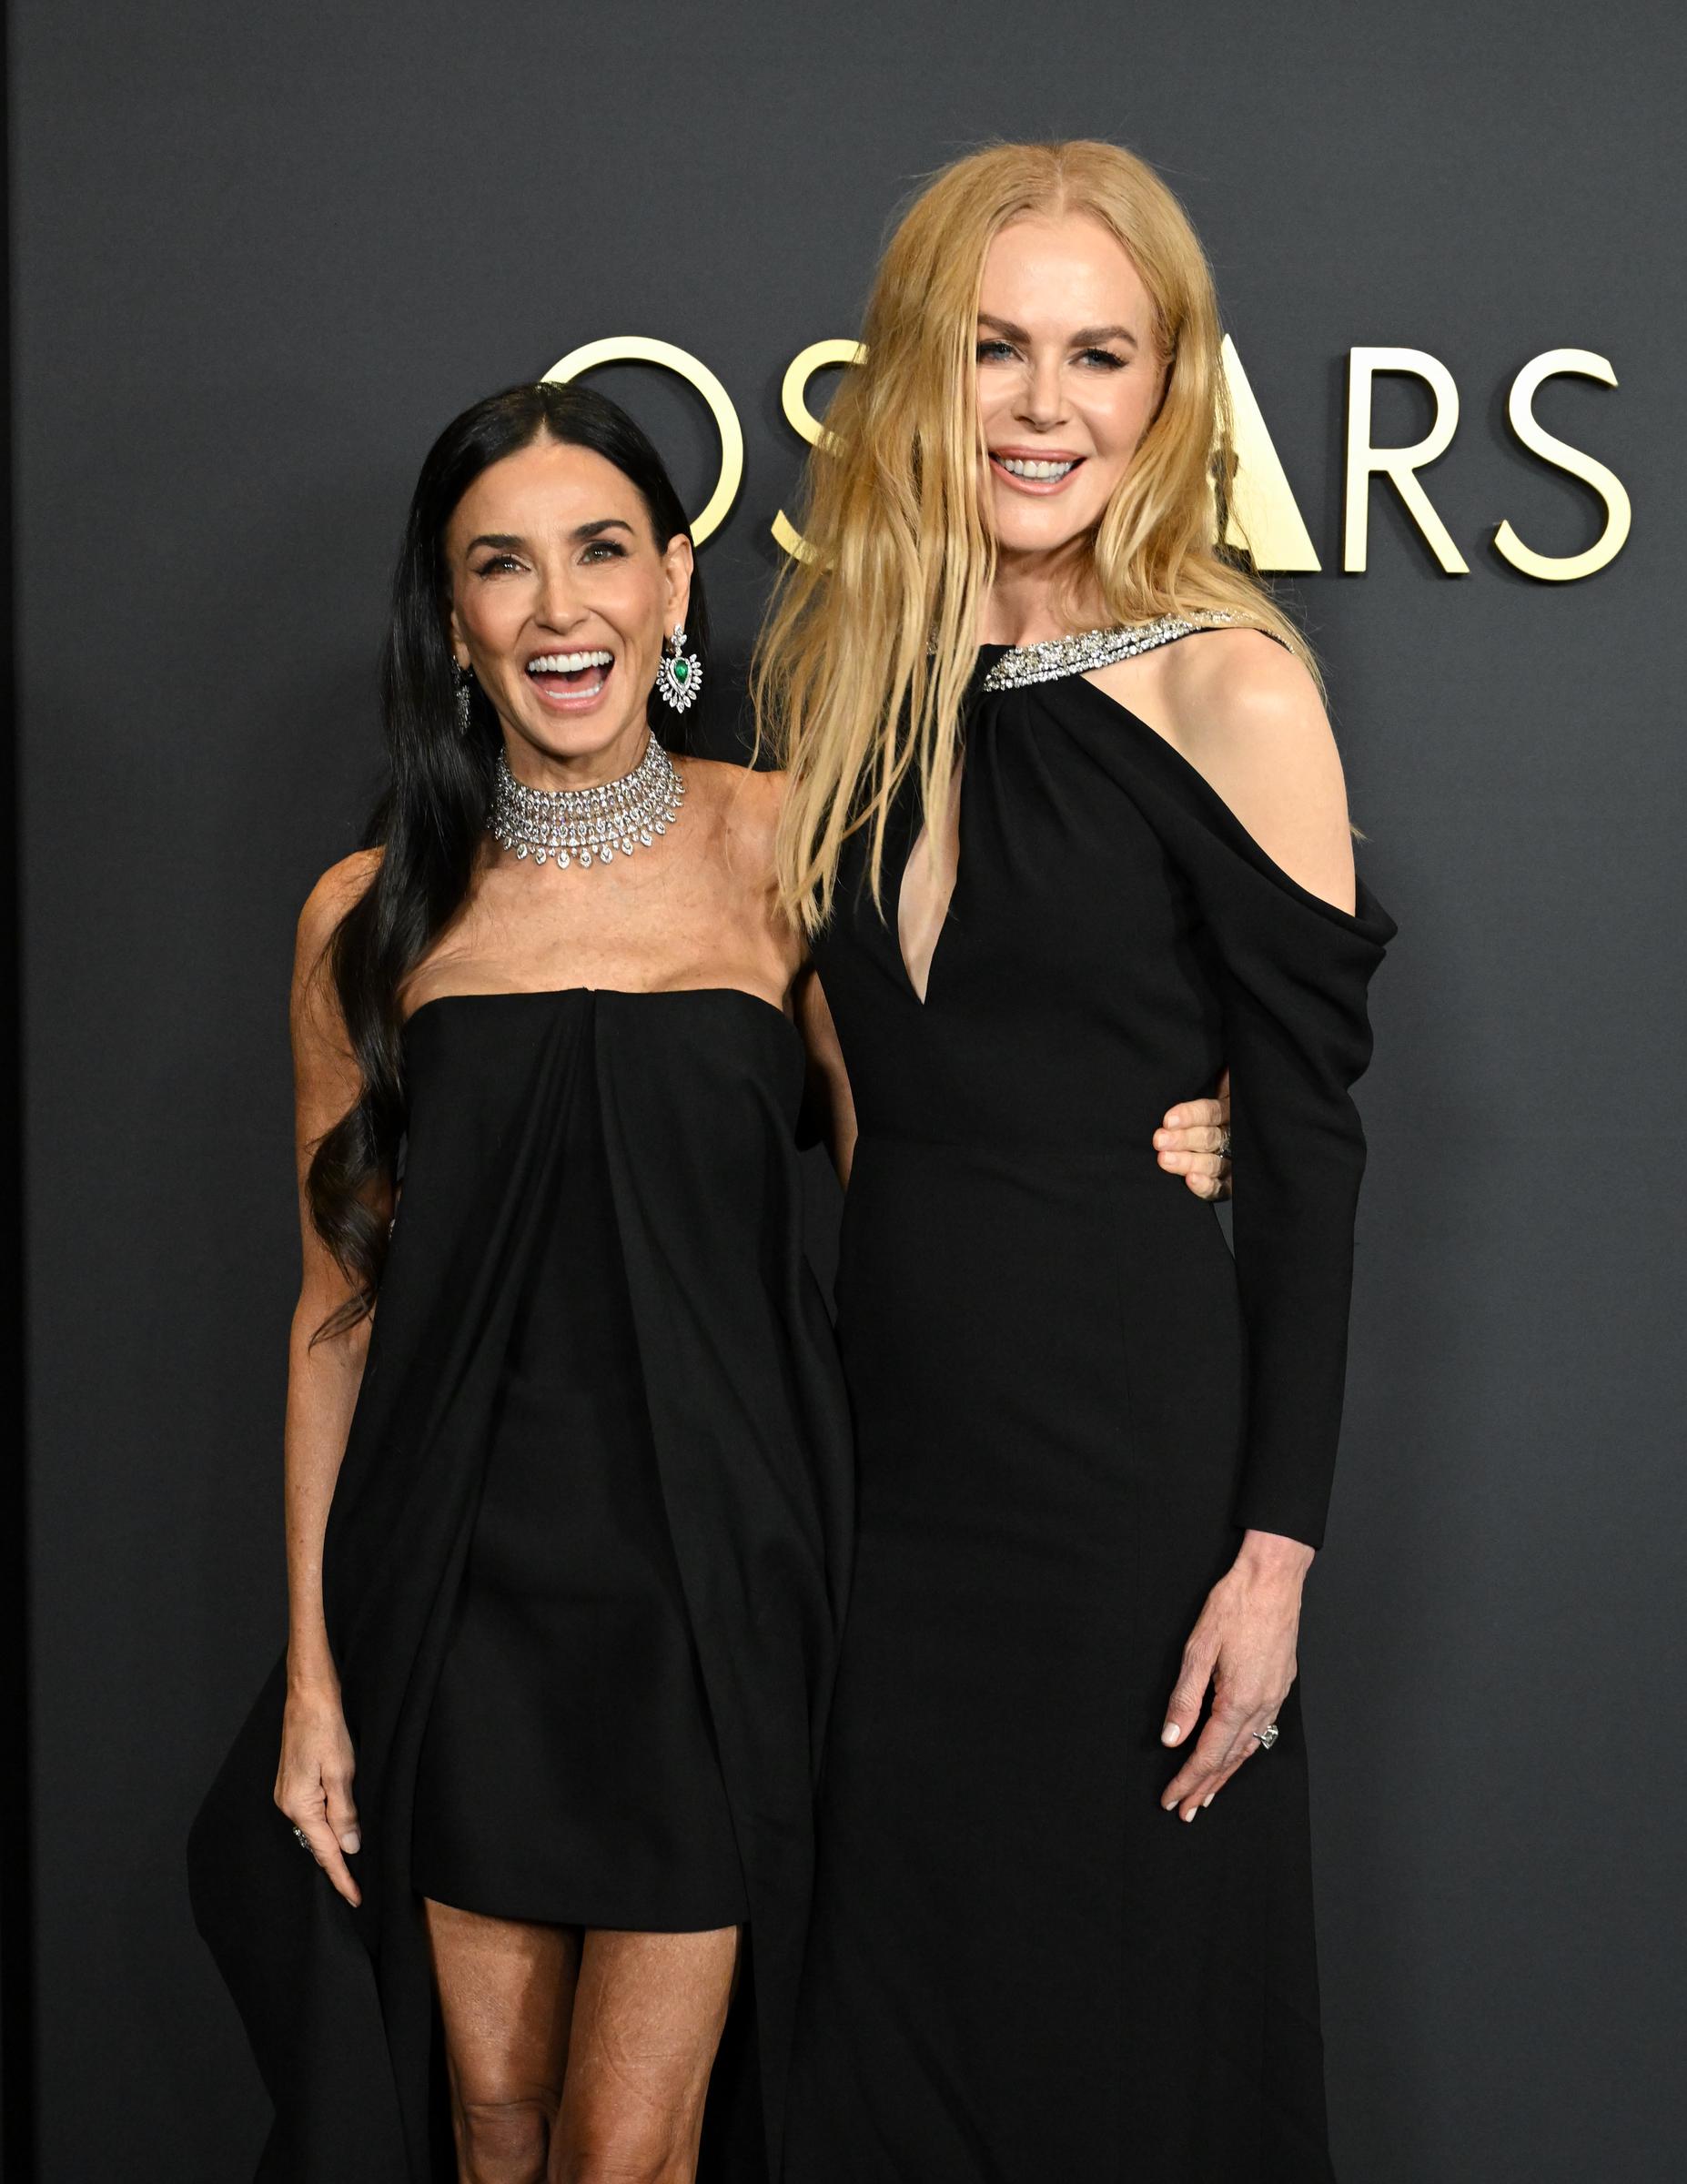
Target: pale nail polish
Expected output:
[1208,1799]
[1170,1733]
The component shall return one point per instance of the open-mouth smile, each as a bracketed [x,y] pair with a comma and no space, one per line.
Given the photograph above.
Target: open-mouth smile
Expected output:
[570,681]
[1040,474]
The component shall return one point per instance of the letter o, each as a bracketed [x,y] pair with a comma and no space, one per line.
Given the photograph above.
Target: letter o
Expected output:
[639,348]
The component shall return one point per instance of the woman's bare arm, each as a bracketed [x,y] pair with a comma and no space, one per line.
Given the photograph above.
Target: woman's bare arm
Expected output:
[829,1094]
[313,1783]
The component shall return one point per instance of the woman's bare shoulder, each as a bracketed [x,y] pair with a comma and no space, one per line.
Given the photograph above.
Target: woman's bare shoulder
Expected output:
[720,776]
[1247,716]
[340,887]
[1224,676]
[748,799]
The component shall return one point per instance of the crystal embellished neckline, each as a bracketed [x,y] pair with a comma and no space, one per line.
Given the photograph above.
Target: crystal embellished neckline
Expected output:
[1076,655]
[587,826]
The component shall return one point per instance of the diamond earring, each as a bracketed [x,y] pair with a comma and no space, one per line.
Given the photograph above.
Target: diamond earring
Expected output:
[679,673]
[462,677]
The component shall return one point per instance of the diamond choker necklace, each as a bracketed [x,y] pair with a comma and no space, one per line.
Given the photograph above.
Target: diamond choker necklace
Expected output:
[583,826]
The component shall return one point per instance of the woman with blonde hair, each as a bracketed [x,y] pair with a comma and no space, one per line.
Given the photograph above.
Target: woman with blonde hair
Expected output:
[1066,824]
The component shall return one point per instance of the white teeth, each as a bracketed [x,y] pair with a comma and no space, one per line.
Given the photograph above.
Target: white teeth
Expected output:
[1020,467]
[567,664]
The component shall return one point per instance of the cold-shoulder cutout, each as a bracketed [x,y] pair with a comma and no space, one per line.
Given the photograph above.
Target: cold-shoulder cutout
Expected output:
[1249,717]
[1191,787]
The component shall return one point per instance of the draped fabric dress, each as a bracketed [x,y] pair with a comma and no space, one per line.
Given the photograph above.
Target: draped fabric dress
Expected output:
[1069,1399]
[584,1566]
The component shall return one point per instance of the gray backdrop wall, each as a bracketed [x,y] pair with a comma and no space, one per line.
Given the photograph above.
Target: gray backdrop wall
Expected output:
[260,255]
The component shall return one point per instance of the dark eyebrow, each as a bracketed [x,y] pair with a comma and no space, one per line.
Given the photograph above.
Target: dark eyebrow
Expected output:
[504,542]
[1087,337]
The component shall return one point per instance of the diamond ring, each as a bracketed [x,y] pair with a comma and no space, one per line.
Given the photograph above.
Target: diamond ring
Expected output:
[1267,1736]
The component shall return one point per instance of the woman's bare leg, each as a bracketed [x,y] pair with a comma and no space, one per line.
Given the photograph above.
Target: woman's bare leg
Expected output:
[506,1992]
[649,2011]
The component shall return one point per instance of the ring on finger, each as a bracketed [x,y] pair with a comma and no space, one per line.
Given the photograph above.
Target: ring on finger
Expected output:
[302,1838]
[1266,1736]
[1224,1145]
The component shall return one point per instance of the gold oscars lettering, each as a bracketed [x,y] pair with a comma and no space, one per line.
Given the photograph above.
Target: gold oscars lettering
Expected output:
[1264,514]
[793,399]
[638,348]
[1564,567]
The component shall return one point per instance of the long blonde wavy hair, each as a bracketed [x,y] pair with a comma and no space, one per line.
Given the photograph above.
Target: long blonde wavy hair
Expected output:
[870,640]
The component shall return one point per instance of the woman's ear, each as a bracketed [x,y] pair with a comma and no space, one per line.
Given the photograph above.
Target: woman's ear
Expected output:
[678,563]
[454,636]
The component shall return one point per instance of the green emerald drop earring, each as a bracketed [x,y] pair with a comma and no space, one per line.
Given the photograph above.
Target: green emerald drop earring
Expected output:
[679,673]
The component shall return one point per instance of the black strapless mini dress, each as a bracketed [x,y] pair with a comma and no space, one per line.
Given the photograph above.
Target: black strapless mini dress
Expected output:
[584,1569]
[569,1770]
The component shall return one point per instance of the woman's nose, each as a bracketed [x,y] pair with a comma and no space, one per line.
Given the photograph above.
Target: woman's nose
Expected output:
[1042,404]
[559,608]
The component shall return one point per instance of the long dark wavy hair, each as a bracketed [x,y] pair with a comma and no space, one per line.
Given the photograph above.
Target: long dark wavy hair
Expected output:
[430,823]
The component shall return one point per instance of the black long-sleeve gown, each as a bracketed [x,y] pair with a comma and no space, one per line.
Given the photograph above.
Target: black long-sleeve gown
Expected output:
[1068,1398]
[584,1565]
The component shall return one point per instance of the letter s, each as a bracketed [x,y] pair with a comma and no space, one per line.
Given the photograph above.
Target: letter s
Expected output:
[793,396]
[1564,567]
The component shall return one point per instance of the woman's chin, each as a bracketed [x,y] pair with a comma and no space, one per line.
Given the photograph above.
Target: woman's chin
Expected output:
[589,735]
[1026,529]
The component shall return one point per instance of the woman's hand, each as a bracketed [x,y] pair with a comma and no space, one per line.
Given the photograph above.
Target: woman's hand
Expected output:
[1243,1645]
[313,1781]
[1189,1142]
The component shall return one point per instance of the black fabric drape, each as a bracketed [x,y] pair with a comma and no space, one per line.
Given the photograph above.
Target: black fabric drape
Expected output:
[698,1092]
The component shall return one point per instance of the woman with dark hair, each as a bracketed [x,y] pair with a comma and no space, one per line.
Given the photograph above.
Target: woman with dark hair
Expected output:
[567,1452]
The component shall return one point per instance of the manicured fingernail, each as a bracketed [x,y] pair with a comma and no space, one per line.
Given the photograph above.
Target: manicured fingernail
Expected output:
[1170,1733]
[351,1841]
[1208,1799]
[1192,1812]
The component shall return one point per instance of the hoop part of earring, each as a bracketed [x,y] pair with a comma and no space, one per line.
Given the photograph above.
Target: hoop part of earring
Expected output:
[463,677]
[679,673]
